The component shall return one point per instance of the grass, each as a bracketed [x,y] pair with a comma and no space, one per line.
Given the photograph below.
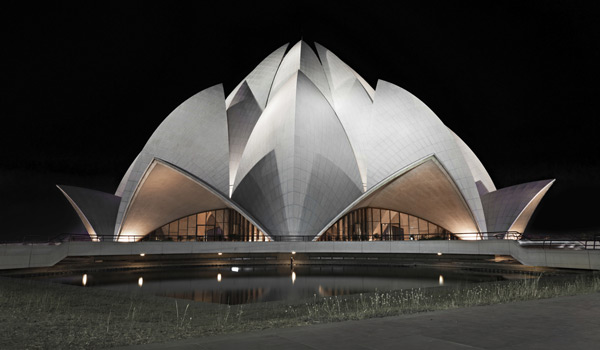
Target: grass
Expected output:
[42,315]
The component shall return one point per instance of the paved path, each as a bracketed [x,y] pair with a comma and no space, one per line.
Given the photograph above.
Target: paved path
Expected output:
[560,323]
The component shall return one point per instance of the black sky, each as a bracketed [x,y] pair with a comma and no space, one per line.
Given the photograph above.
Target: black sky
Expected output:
[84,87]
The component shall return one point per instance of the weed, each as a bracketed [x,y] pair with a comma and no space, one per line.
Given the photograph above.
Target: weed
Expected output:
[53,312]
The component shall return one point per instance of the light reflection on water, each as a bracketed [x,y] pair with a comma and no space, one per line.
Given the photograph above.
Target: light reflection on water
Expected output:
[271,283]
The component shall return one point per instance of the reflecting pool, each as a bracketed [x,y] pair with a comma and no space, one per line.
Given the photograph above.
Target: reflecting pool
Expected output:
[243,284]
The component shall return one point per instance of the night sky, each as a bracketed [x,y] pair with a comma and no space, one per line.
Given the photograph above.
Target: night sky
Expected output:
[85,86]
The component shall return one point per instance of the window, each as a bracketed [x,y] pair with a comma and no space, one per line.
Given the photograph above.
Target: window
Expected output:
[213,225]
[376,224]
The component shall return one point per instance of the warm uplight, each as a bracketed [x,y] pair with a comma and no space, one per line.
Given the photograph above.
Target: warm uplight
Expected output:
[140,281]
[219,253]
[84,279]
[293,253]
[235,269]
[126,237]
[512,235]
[439,253]
[143,254]
[441,280]
[293,277]
[468,236]
[219,277]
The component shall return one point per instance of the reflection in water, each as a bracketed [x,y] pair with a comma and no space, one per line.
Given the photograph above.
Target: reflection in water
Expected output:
[330,292]
[216,295]
[235,285]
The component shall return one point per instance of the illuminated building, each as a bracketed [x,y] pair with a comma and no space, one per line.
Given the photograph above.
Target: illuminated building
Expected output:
[304,149]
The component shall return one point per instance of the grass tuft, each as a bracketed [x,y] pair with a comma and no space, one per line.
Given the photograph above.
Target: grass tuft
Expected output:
[71,317]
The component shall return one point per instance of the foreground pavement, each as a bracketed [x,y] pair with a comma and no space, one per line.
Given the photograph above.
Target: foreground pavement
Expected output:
[559,323]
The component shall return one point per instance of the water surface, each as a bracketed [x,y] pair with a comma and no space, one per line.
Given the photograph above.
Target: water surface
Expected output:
[239,285]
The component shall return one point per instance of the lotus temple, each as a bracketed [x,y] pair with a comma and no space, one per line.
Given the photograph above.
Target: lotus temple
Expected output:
[304,149]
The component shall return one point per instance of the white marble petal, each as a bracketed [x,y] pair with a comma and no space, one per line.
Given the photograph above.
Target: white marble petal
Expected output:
[261,78]
[242,116]
[352,105]
[403,130]
[301,58]
[97,210]
[298,170]
[510,208]
[477,169]
[193,137]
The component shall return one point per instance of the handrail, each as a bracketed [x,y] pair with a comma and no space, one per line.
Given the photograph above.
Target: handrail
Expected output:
[378,237]
[68,237]
[561,242]
[593,244]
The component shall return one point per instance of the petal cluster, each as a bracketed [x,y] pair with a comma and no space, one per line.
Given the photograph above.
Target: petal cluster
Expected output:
[299,143]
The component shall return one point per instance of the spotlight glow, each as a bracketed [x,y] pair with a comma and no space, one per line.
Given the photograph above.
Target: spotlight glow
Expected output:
[293,277]
[441,280]
[219,277]
[140,281]
[84,279]
[219,253]
[235,269]
[143,254]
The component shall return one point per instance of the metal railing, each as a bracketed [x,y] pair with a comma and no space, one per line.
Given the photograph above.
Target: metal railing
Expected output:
[572,242]
[31,239]
[385,237]
[446,236]
[66,237]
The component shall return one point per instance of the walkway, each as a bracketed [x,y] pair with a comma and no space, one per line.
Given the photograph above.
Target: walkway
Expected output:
[559,323]
[18,256]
